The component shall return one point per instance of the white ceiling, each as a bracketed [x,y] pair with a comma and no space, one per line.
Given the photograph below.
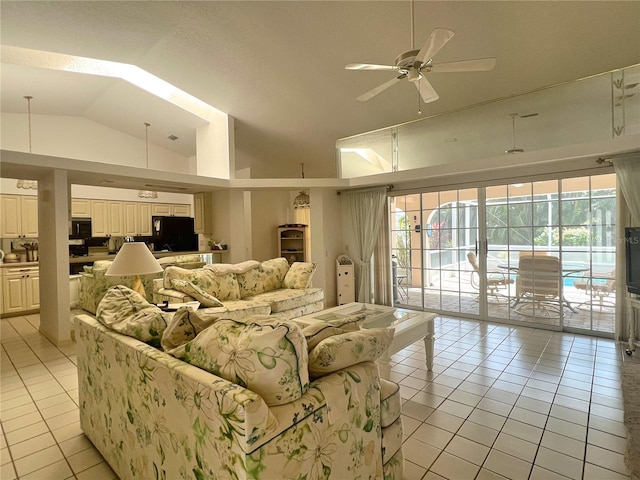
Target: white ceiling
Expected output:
[278,67]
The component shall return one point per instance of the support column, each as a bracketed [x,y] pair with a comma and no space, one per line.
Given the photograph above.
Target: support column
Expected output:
[215,148]
[53,240]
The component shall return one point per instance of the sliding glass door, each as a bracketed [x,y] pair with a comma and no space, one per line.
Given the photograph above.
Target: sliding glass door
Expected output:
[479,252]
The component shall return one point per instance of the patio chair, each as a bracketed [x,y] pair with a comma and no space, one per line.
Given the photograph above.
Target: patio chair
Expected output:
[539,286]
[596,289]
[496,279]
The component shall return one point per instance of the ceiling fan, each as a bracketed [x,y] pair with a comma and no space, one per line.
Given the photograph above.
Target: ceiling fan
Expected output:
[414,64]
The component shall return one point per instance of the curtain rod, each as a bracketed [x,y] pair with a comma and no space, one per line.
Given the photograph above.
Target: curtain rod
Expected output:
[610,158]
[365,189]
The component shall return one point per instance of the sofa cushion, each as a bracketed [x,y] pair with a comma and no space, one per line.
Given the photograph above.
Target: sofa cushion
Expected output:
[223,287]
[299,275]
[289,298]
[224,268]
[127,312]
[205,299]
[263,354]
[183,326]
[318,331]
[266,277]
[340,351]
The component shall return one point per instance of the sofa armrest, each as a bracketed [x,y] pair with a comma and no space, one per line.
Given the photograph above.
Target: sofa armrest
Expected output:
[172,296]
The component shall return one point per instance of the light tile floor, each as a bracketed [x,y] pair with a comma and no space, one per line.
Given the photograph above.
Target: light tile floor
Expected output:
[501,402]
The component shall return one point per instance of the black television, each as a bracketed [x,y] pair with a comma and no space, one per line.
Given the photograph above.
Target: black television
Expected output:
[632,243]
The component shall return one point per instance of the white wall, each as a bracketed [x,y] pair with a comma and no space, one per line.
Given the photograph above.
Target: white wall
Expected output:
[269,209]
[83,139]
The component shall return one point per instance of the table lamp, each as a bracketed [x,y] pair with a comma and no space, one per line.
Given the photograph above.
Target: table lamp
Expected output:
[134,259]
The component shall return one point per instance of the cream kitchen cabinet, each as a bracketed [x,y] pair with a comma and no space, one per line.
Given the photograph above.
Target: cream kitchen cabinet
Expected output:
[137,218]
[20,289]
[107,218]
[19,216]
[80,208]
[171,210]
[202,220]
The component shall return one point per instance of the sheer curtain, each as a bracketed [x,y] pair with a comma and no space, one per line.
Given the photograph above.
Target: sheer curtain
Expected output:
[366,209]
[382,265]
[628,178]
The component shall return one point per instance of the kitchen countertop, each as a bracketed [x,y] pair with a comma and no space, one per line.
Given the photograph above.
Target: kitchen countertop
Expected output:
[105,256]
[18,264]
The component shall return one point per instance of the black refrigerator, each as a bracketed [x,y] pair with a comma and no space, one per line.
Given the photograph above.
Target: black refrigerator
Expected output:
[174,233]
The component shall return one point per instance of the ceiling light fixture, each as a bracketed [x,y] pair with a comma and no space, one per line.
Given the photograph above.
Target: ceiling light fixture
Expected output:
[514,149]
[302,200]
[28,184]
[147,193]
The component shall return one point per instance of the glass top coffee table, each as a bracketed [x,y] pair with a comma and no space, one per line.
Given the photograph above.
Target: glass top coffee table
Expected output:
[408,325]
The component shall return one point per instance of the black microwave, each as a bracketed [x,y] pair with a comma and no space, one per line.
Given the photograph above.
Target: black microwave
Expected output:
[80,228]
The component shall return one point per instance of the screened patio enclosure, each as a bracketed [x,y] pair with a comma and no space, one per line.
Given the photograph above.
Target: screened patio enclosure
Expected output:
[571,221]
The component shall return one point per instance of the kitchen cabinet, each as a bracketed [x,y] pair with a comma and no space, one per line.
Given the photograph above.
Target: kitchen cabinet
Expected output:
[19,216]
[136,218]
[171,210]
[107,218]
[292,243]
[20,289]
[202,220]
[80,208]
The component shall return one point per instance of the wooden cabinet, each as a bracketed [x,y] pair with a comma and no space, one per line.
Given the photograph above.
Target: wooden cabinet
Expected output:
[19,216]
[202,219]
[136,218]
[107,218]
[20,289]
[292,243]
[80,208]
[171,210]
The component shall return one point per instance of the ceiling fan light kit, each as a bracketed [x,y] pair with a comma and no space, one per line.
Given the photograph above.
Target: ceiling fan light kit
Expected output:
[414,64]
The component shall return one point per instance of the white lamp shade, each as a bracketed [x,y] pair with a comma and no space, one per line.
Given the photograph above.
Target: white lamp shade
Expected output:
[134,258]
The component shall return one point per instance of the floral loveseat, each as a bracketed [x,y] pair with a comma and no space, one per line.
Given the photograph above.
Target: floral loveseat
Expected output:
[322,411]
[94,284]
[237,291]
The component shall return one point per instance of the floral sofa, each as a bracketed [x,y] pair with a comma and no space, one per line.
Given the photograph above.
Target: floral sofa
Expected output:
[237,291]
[94,284]
[259,398]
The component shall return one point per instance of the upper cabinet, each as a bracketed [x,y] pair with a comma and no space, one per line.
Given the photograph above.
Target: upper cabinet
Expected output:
[137,218]
[19,216]
[202,219]
[170,210]
[107,218]
[80,208]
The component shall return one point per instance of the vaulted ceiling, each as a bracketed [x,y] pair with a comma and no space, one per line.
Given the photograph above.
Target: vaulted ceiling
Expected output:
[278,67]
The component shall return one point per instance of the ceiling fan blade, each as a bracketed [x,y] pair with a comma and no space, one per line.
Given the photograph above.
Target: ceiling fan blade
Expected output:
[370,66]
[426,90]
[438,38]
[375,91]
[476,65]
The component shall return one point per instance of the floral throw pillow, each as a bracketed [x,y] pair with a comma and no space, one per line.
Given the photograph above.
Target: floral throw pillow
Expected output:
[182,327]
[127,312]
[299,275]
[205,299]
[268,356]
[341,351]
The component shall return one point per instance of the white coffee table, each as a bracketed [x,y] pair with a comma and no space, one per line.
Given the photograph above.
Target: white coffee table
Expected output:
[408,325]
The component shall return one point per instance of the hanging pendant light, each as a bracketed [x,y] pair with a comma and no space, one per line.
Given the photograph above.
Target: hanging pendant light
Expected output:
[302,200]
[28,184]
[514,149]
[147,193]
